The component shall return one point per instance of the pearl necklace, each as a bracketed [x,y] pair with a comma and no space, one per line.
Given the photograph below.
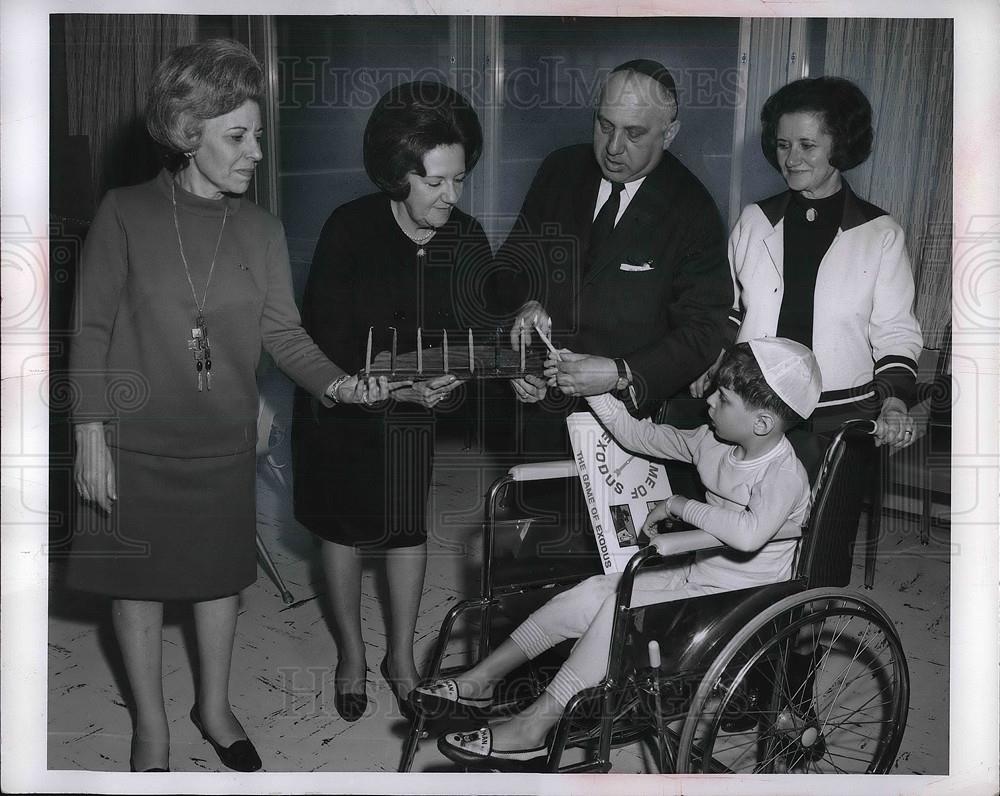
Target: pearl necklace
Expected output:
[423,240]
[421,251]
[419,240]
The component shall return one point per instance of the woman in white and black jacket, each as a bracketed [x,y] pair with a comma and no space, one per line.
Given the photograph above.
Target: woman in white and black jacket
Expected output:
[820,265]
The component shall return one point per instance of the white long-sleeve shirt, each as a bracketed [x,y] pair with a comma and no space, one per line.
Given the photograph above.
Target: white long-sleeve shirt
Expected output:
[750,498]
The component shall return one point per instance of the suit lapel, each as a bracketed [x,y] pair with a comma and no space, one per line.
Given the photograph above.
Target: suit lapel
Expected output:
[585,188]
[775,244]
[774,209]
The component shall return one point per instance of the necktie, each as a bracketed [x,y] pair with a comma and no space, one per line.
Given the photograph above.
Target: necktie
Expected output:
[604,224]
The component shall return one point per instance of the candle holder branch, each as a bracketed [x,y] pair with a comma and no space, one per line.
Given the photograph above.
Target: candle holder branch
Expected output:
[473,355]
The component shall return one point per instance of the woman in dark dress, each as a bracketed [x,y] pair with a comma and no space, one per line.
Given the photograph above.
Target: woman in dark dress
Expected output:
[404,257]
[165,425]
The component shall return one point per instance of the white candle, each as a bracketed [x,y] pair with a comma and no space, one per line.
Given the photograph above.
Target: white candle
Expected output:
[420,352]
[392,362]
[368,352]
[445,350]
[522,348]
[472,356]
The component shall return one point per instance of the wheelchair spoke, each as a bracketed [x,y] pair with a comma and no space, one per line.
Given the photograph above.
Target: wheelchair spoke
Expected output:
[816,688]
[829,758]
[842,678]
[860,710]
[780,750]
[840,713]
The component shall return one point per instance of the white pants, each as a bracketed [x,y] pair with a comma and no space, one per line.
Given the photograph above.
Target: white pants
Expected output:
[586,612]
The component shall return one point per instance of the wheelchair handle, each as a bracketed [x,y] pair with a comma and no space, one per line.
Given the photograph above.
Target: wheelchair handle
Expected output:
[864,426]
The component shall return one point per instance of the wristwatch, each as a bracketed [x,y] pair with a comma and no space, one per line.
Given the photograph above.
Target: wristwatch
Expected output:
[623,379]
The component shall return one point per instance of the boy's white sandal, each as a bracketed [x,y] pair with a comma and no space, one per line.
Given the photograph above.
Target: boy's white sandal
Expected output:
[476,748]
[441,699]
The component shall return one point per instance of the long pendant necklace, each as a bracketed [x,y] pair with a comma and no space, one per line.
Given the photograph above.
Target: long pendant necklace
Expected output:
[199,344]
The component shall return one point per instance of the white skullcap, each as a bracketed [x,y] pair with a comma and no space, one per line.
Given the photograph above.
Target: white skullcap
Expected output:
[791,370]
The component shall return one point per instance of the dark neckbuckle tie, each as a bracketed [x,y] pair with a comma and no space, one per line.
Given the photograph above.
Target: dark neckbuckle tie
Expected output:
[604,224]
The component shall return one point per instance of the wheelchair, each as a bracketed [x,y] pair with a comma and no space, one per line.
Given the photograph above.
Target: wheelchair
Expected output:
[801,676]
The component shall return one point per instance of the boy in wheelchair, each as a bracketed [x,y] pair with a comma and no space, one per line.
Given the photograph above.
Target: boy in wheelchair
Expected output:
[755,486]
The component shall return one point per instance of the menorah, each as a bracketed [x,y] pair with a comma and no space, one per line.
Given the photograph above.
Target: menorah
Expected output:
[477,355]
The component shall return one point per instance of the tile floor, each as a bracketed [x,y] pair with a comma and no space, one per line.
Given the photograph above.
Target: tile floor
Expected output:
[282,682]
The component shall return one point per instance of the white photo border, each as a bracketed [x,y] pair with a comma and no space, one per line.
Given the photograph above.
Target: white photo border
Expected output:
[24,103]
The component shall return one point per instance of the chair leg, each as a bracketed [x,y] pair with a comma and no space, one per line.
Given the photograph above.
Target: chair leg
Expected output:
[416,730]
[871,546]
[470,435]
[926,504]
[875,518]
[268,563]
[279,476]
[413,736]
[665,761]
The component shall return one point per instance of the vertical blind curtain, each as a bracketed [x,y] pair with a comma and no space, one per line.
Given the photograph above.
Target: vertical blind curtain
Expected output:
[905,68]
[768,69]
[110,60]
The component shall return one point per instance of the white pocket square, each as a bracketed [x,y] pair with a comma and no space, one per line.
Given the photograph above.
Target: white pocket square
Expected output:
[647,266]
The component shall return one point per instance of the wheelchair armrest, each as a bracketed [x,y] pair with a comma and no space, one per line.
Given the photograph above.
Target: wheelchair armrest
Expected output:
[538,471]
[688,541]
[680,542]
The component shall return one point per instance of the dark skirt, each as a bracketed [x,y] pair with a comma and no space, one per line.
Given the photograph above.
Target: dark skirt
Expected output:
[362,477]
[182,529]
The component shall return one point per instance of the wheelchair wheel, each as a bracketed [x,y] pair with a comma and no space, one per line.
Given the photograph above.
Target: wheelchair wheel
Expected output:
[817,683]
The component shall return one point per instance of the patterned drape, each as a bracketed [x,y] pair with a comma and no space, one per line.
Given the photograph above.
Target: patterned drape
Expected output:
[110,60]
[905,68]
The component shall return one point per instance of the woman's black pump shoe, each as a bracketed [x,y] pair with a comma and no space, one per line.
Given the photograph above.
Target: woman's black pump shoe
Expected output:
[350,705]
[403,701]
[239,756]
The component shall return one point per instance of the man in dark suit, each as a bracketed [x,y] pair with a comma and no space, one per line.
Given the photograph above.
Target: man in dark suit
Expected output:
[620,254]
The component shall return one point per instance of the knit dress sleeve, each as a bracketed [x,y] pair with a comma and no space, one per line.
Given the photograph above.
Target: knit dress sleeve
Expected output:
[283,337]
[99,285]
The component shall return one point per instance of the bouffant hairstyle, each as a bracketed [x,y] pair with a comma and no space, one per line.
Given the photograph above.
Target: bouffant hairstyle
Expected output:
[740,373]
[408,122]
[194,83]
[843,107]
